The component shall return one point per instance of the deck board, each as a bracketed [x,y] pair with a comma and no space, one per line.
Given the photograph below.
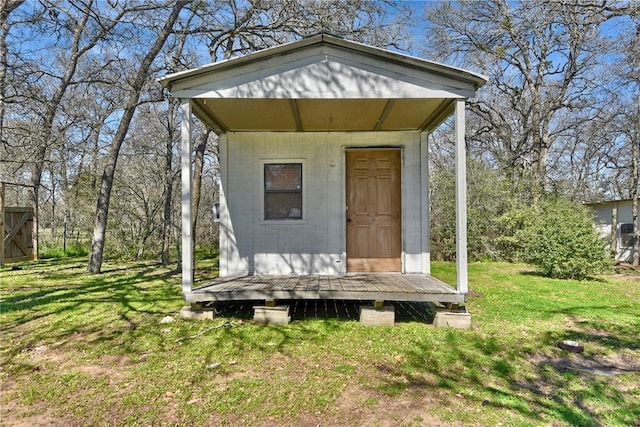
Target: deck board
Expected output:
[369,286]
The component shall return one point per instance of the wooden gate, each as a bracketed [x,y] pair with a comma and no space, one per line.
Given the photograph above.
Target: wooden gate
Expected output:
[18,238]
[16,229]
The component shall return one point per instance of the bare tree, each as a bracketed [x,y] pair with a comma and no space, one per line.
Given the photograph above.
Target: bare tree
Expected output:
[72,20]
[53,54]
[104,197]
[542,59]
[6,7]
[80,70]
[633,73]
[628,72]
[169,178]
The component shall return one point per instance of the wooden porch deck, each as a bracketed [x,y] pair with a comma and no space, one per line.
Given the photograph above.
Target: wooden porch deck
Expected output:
[369,287]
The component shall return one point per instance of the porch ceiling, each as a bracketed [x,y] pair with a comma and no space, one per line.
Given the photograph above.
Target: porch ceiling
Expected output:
[314,115]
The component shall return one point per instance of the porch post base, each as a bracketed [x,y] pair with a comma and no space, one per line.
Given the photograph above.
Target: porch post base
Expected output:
[446,318]
[197,312]
[371,316]
[277,315]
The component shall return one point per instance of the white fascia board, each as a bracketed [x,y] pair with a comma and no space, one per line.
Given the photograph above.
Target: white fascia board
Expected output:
[419,93]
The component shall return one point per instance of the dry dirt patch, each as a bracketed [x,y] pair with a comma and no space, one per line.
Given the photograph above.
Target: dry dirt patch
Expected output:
[16,415]
[109,365]
[388,411]
[607,365]
[54,358]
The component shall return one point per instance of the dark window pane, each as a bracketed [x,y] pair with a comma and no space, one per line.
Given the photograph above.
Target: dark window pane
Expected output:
[283,191]
[626,235]
[283,177]
[283,205]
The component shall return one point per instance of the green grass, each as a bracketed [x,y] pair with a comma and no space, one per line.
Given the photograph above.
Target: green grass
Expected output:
[90,350]
[51,251]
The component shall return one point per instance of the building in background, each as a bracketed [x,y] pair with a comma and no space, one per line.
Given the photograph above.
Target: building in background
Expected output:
[614,220]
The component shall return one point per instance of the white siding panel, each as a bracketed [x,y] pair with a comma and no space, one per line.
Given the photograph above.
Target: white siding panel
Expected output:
[412,209]
[254,175]
[239,190]
[334,212]
[625,211]
[316,245]
[425,204]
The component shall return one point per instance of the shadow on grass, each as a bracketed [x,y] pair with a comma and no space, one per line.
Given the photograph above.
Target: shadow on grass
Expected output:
[57,302]
[491,371]
[614,337]
[121,290]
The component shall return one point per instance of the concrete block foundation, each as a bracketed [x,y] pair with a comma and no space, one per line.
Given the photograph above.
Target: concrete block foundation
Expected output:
[197,313]
[265,315]
[371,316]
[452,319]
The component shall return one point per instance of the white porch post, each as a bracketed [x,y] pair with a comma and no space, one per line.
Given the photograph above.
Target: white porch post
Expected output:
[461,199]
[187,184]
[425,203]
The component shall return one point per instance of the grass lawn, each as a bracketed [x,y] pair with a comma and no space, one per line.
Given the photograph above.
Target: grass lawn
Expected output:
[90,350]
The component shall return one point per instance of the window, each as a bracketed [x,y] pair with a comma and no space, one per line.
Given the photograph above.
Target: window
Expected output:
[282,191]
[626,235]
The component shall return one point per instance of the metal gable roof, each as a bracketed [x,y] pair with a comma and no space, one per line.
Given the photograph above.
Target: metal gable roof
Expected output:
[323,83]
[328,40]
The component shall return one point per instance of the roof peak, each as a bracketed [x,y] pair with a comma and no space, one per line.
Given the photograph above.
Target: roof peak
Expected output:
[326,39]
[322,34]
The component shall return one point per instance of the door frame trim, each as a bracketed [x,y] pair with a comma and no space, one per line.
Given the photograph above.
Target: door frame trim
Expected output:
[345,148]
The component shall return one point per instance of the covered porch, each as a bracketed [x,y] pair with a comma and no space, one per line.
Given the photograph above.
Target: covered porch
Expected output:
[324,109]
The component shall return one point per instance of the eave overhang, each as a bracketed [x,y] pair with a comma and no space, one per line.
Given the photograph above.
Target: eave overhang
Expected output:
[323,83]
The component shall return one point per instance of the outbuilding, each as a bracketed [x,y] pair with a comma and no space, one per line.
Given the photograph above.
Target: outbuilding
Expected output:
[324,154]
[614,222]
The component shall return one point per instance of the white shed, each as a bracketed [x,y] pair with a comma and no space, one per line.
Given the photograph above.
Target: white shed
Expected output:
[614,221]
[324,169]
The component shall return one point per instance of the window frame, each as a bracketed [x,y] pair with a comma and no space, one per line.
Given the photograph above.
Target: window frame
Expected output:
[627,240]
[264,191]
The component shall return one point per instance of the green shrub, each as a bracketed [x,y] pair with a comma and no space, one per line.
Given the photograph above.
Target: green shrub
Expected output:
[488,198]
[512,224]
[558,238]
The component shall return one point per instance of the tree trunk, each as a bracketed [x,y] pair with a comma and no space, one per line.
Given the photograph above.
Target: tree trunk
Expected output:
[168,184]
[540,148]
[635,193]
[104,197]
[35,194]
[201,146]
